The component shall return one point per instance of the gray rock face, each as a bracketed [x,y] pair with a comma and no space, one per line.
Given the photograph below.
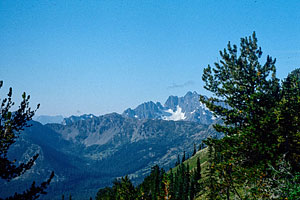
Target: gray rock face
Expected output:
[187,108]
[73,118]
[87,152]
[148,110]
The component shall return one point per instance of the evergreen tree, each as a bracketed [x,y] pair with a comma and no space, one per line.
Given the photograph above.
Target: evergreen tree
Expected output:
[201,146]
[257,123]
[183,157]
[155,185]
[212,179]
[196,184]
[186,186]
[288,115]
[198,169]
[11,125]
[192,190]
[180,188]
[171,186]
[164,184]
[178,161]
[107,193]
[195,151]
[125,190]
[251,96]
[177,184]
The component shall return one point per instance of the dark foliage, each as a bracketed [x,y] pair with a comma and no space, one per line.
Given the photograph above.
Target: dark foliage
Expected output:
[260,122]
[11,125]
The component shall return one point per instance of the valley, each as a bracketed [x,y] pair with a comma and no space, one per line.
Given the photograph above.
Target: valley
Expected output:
[88,152]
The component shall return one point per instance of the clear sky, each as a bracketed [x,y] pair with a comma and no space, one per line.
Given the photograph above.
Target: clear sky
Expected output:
[76,57]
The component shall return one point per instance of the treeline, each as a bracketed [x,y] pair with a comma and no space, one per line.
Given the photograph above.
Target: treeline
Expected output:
[181,184]
[259,155]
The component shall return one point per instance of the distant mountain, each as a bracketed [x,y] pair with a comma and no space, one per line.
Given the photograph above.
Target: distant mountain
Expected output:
[59,119]
[73,119]
[87,152]
[187,108]
[45,119]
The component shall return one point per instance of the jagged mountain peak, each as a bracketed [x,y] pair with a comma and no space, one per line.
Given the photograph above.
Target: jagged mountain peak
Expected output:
[187,108]
[93,150]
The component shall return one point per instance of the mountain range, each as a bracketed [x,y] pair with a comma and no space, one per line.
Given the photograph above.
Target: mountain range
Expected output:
[186,108]
[87,152]
[45,119]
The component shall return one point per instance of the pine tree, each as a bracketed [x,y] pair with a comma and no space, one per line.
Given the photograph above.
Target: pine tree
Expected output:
[125,190]
[178,161]
[107,193]
[171,186]
[181,173]
[195,151]
[176,184]
[243,84]
[212,179]
[155,187]
[201,146]
[11,125]
[163,184]
[288,113]
[192,190]
[183,157]
[198,169]
[260,117]
[186,190]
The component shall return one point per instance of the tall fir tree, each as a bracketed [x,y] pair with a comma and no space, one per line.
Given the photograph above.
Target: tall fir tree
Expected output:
[125,190]
[178,161]
[211,182]
[257,126]
[194,151]
[288,115]
[12,123]
[183,157]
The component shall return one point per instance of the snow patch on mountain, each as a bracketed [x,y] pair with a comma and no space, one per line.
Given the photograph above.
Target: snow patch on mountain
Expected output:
[203,106]
[175,116]
[186,108]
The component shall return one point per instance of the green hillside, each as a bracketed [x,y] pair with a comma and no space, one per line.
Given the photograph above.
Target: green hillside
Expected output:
[192,161]
[259,155]
[203,156]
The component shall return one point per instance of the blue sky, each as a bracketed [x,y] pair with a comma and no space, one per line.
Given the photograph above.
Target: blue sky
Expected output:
[76,57]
